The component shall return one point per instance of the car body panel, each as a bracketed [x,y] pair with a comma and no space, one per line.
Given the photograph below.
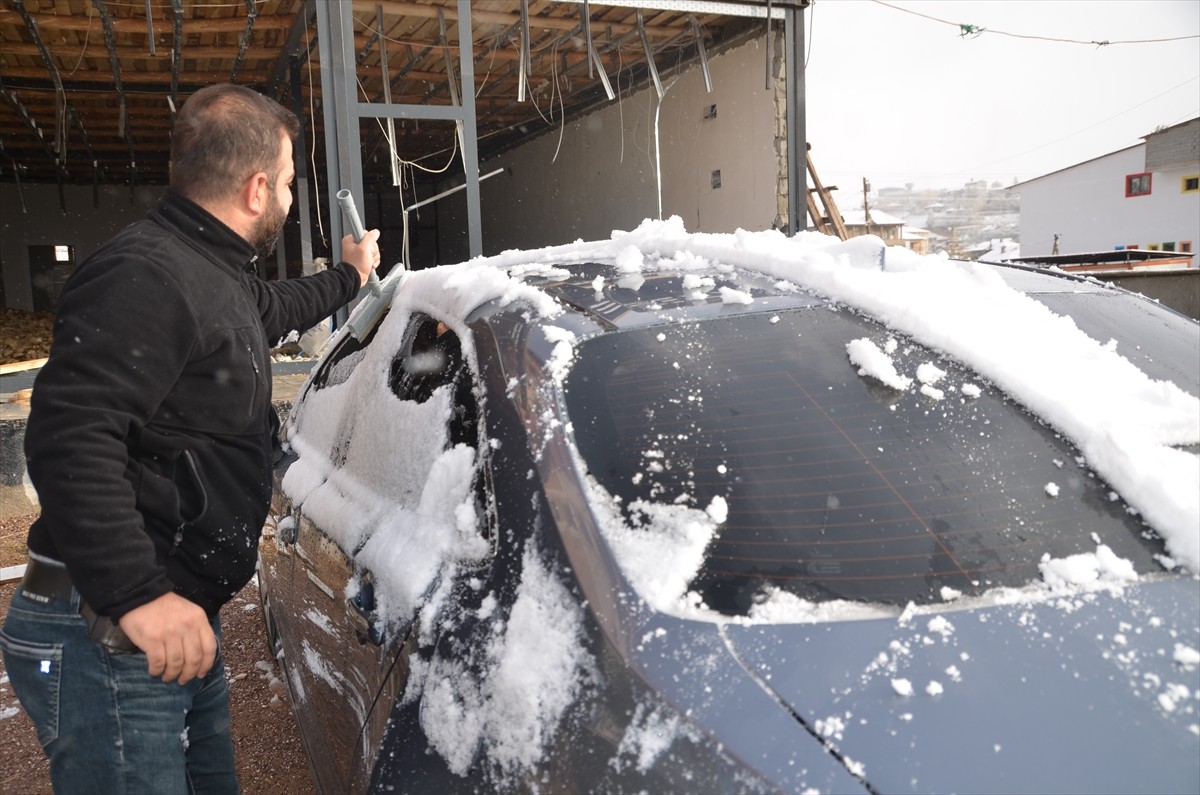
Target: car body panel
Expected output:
[1030,689]
[1063,704]
[314,627]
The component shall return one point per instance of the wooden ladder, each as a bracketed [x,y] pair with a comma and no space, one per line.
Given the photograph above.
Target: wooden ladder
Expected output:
[827,218]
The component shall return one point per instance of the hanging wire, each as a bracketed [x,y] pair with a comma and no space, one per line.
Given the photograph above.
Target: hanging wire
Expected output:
[86,36]
[1072,135]
[487,75]
[312,125]
[974,31]
[812,15]
[396,155]
[562,111]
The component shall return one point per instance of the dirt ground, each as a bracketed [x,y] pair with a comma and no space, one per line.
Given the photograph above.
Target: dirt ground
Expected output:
[270,760]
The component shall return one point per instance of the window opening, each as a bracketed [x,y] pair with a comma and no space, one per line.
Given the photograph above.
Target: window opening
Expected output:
[49,267]
[1137,185]
[432,359]
[341,362]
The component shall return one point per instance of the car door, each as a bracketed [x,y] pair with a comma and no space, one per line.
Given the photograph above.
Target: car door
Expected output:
[343,647]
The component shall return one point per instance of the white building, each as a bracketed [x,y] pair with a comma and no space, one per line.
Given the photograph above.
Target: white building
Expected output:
[1146,196]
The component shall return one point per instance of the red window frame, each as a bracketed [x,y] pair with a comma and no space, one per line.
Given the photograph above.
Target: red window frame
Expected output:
[1133,183]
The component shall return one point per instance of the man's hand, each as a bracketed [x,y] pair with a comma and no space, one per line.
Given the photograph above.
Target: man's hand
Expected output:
[363,255]
[176,636]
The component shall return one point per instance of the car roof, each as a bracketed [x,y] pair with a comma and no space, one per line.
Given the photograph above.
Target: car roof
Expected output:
[603,294]
[1069,349]
[630,301]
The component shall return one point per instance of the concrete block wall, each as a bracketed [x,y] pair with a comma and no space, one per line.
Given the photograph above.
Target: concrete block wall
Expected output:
[1175,147]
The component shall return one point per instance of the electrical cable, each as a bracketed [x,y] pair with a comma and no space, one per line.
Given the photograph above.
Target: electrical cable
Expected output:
[812,15]
[974,31]
[562,111]
[491,64]
[312,154]
[1072,135]
[86,36]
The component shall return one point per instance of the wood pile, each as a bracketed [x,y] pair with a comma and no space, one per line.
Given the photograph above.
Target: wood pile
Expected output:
[24,335]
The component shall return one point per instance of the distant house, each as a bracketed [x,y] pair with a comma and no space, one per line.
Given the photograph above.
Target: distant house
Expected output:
[889,227]
[918,240]
[1145,196]
[996,250]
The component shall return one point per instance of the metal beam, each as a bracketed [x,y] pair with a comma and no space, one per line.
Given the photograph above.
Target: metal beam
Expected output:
[150,28]
[60,97]
[291,49]
[301,164]
[393,161]
[110,42]
[247,38]
[343,112]
[797,134]
[754,10]
[650,65]
[335,30]
[470,142]
[176,53]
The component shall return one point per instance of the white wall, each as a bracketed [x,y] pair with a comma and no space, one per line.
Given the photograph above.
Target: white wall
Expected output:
[603,177]
[1087,205]
[30,215]
[598,173]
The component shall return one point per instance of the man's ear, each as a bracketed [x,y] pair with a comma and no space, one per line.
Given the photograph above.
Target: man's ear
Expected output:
[254,194]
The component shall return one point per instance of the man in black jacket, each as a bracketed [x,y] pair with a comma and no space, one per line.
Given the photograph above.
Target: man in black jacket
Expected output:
[150,441]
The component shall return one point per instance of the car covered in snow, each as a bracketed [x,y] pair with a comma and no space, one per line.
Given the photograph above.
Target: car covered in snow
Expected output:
[697,512]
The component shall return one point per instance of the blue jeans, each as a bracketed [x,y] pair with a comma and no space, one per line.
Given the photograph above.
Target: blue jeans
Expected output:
[104,722]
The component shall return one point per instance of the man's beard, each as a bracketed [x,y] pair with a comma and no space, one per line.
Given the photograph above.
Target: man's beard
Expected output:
[268,228]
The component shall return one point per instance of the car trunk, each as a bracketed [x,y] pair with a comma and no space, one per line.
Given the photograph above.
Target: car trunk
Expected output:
[1080,693]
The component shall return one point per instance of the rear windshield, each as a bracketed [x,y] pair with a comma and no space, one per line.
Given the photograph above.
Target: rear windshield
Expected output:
[837,487]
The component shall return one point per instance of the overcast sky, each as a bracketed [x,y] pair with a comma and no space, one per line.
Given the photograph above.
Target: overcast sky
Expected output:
[896,97]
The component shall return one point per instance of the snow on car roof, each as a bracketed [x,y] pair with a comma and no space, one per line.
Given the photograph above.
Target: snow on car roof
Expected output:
[1127,425]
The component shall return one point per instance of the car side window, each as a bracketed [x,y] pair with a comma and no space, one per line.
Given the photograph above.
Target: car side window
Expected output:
[344,358]
[432,358]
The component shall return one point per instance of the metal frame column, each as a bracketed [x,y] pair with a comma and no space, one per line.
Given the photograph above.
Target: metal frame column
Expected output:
[466,71]
[797,134]
[343,112]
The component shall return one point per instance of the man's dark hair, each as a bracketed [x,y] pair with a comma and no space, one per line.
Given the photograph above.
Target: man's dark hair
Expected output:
[225,134]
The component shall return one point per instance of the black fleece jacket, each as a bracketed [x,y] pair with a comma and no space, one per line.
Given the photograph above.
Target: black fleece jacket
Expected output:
[151,432]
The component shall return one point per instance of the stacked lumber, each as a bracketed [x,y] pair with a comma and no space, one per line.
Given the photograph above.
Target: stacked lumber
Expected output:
[24,336]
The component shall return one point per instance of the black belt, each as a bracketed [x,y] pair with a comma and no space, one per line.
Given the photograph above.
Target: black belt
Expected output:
[44,582]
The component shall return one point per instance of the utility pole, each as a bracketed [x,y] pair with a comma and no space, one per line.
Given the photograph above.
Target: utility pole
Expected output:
[866,207]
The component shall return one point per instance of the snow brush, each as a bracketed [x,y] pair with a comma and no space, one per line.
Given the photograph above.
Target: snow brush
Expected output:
[356,228]
[367,313]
